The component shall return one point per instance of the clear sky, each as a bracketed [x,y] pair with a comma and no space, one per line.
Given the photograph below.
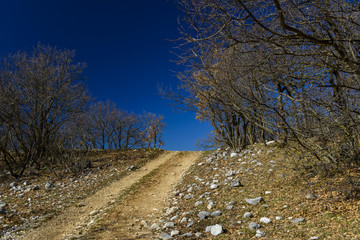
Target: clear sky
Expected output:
[125,45]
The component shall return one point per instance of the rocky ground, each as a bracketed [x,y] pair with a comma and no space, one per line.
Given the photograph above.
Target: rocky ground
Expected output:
[253,194]
[225,194]
[41,195]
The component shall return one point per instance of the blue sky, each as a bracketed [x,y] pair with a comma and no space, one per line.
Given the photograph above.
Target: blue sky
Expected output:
[125,45]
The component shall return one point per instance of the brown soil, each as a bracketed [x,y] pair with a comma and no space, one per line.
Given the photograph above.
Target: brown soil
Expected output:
[139,201]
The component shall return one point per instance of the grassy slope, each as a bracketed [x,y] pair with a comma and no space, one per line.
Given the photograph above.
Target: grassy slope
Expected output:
[328,216]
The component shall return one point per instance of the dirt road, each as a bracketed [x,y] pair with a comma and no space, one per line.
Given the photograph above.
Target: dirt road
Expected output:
[115,219]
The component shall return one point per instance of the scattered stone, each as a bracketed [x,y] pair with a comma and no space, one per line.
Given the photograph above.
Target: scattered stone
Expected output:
[213,186]
[233,155]
[216,213]
[254,201]
[169,225]
[265,220]
[254,226]
[189,234]
[285,206]
[165,236]
[198,234]
[298,220]
[229,207]
[278,218]
[36,187]
[313,238]
[183,220]
[94,212]
[155,226]
[248,215]
[21,195]
[189,196]
[235,183]
[13,185]
[198,203]
[260,233]
[268,192]
[172,210]
[203,214]
[216,230]
[174,233]
[230,173]
[143,222]
[311,196]
[190,224]
[131,168]
[210,205]
[3,208]
[49,185]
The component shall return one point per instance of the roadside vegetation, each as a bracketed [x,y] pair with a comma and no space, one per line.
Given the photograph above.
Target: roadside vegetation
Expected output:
[41,195]
[48,120]
[215,189]
[276,70]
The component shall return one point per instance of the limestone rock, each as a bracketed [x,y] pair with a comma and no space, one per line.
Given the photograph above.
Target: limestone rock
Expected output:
[254,201]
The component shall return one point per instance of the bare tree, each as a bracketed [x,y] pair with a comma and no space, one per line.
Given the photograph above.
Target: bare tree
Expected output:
[287,70]
[39,93]
[154,129]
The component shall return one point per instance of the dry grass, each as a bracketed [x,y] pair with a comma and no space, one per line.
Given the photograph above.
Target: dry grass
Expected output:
[328,216]
[31,207]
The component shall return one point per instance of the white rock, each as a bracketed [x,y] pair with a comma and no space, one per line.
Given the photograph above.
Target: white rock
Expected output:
[265,220]
[248,215]
[268,192]
[260,233]
[172,210]
[213,186]
[169,225]
[253,226]
[298,220]
[270,142]
[210,205]
[165,236]
[216,230]
[278,218]
[254,201]
[174,233]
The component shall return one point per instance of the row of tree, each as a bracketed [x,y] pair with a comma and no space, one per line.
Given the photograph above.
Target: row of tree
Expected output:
[46,116]
[271,69]
[104,126]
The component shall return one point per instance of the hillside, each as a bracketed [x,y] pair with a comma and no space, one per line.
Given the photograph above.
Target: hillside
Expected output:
[224,194]
[256,193]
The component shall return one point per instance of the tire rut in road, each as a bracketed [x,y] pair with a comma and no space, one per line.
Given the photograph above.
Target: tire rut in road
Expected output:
[144,203]
[67,222]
